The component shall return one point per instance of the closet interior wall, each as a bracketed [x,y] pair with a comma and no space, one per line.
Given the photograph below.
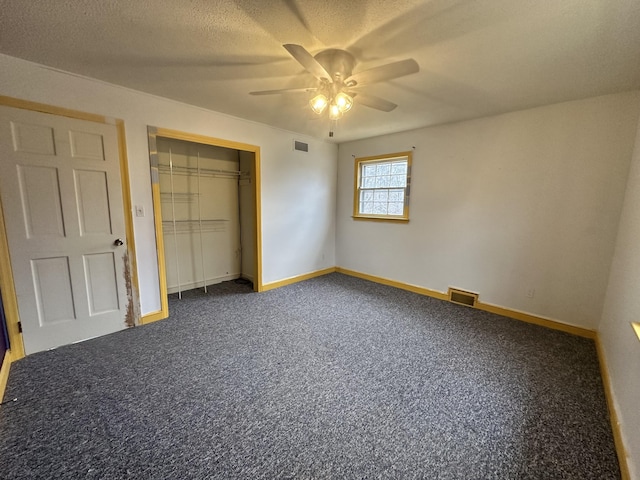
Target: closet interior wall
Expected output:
[200,200]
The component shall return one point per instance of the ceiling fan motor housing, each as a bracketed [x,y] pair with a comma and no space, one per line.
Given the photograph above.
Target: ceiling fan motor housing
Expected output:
[338,63]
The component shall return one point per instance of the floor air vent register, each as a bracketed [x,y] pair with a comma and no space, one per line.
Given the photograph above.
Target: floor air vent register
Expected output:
[463,298]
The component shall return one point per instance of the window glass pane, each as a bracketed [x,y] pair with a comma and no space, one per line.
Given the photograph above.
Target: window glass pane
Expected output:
[382,182]
[369,182]
[369,171]
[383,169]
[366,195]
[395,208]
[399,168]
[366,207]
[396,195]
[380,208]
[398,181]
[380,195]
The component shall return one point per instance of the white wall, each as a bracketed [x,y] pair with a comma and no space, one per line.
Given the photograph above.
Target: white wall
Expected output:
[298,190]
[622,306]
[503,204]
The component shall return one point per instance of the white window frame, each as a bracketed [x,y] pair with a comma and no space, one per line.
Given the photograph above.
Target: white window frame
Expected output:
[359,188]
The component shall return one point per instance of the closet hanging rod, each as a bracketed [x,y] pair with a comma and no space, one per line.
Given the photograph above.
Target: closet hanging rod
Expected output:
[194,226]
[179,169]
[212,220]
[179,194]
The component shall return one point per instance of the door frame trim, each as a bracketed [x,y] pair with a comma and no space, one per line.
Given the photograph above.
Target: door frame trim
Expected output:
[6,274]
[153,133]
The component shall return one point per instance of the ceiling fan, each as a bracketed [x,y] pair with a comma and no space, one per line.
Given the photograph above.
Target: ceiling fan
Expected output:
[338,86]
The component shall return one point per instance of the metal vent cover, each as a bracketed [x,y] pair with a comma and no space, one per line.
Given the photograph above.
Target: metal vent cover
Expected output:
[462,297]
[300,146]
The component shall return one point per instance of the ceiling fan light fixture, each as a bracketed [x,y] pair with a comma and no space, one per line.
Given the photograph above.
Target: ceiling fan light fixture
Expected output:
[334,112]
[319,103]
[333,70]
[344,102]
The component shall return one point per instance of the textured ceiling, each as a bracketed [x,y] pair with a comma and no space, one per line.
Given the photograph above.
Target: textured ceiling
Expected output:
[476,58]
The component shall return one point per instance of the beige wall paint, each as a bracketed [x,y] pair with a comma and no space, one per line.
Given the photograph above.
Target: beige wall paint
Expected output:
[298,192]
[622,306]
[500,205]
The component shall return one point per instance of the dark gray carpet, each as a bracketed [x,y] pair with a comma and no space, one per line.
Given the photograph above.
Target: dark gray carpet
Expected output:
[335,377]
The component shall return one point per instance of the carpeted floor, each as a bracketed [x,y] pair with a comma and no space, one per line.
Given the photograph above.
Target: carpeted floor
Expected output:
[335,377]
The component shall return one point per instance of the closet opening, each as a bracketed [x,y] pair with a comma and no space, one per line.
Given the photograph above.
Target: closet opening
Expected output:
[206,211]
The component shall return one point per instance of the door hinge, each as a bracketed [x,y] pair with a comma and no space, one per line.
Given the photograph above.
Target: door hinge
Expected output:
[20,327]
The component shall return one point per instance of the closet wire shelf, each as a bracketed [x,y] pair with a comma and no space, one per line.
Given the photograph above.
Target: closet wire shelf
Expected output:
[202,172]
[190,226]
[178,197]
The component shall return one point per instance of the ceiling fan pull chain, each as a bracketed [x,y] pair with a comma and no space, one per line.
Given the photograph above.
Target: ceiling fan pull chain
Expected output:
[333,125]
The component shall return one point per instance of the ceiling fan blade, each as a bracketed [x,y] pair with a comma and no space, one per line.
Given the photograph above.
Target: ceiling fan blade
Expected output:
[284,90]
[305,59]
[384,72]
[373,102]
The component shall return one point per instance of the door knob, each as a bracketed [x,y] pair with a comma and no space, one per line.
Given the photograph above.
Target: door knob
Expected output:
[118,242]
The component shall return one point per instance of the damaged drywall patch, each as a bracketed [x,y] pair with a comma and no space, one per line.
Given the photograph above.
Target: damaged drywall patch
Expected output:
[130,316]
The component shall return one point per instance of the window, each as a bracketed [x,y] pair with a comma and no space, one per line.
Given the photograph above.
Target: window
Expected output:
[382,187]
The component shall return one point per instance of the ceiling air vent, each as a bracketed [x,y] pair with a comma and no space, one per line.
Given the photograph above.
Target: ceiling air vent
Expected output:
[300,146]
[462,297]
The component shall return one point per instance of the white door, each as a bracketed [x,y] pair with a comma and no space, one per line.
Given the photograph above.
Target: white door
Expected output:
[62,198]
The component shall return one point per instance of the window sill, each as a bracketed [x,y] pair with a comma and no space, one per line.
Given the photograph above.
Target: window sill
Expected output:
[380,219]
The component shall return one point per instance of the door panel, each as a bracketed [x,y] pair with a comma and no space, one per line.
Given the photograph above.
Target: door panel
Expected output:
[86,145]
[53,290]
[62,195]
[40,195]
[33,139]
[102,284]
[93,202]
